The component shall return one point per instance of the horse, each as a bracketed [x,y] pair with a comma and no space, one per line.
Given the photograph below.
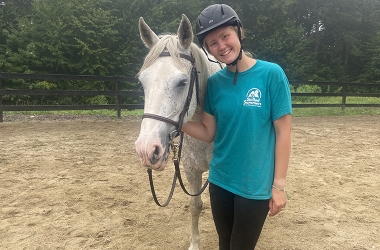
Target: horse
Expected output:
[166,75]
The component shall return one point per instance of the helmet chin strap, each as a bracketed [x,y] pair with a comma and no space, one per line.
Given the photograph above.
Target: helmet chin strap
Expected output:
[211,59]
[235,62]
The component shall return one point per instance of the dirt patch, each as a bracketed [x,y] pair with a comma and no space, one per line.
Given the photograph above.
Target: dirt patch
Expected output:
[77,184]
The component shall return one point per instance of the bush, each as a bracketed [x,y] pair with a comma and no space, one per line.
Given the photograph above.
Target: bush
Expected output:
[306,89]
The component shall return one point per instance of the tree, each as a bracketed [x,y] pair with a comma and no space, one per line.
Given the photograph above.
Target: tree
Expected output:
[372,68]
[311,39]
[338,32]
[270,32]
[10,13]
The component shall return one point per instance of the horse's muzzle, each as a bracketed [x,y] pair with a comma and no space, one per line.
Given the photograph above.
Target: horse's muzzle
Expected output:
[152,156]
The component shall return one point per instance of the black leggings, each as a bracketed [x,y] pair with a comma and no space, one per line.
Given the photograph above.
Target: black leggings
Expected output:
[238,220]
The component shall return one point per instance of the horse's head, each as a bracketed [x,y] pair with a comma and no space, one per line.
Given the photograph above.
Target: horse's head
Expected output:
[165,77]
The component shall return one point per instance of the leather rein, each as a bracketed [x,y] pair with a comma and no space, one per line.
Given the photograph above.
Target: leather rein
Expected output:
[176,146]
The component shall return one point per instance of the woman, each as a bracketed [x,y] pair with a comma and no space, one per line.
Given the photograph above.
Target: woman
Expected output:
[247,114]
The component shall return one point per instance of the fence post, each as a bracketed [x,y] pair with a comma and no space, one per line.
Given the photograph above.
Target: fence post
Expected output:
[1,101]
[118,110]
[344,98]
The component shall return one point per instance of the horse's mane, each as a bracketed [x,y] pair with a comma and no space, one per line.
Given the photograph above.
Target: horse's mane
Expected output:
[170,43]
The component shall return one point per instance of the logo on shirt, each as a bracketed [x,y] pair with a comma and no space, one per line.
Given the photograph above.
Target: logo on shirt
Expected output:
[253,98]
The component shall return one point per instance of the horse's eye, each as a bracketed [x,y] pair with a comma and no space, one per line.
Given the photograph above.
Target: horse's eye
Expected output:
[182,83]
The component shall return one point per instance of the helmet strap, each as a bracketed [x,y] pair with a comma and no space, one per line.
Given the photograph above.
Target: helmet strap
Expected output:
[211,59]
[235,62]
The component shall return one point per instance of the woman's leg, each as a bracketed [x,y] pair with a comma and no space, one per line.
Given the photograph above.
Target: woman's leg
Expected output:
[249,218]
[222,207]
[238,220]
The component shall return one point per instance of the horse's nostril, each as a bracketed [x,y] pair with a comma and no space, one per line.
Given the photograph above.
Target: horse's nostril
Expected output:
[156,152]
[155,156]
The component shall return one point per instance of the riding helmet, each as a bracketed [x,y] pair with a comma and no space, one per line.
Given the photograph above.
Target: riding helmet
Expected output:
[215,16]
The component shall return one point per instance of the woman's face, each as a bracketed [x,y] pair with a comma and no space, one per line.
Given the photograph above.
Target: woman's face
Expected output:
[223,43]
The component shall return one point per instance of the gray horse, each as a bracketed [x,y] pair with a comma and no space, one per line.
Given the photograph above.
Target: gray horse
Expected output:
[166,81]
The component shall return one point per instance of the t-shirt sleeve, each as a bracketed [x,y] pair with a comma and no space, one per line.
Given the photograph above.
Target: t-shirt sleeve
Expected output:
[281,101]
[208,99]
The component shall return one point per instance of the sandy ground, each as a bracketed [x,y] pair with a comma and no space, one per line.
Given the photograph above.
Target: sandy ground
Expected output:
[77,184]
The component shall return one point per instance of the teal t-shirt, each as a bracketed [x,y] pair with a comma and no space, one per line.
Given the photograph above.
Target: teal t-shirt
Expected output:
[244,144]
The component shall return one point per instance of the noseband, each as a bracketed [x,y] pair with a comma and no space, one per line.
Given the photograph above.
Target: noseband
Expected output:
[177,146]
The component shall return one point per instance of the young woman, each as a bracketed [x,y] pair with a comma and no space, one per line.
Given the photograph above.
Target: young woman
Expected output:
[247,114]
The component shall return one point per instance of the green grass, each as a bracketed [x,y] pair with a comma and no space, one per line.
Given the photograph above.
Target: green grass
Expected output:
[337,111]
[337,100]
[296,111]
[300,112]
[103,112]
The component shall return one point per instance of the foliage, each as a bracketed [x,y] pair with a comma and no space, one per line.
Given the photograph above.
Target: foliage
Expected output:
[312,40]
[306,89]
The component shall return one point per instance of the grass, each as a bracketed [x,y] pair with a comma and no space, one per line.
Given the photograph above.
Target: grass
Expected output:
[103,112]
[337,111]
[296,111]
[299,112]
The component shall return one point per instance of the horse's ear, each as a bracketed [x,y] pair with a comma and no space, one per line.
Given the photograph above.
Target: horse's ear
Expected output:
[185,32]
[147,35]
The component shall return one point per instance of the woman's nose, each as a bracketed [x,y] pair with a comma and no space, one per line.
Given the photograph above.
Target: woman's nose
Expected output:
[222,45]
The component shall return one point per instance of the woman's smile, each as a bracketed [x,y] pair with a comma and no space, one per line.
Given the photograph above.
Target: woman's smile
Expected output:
[226,53]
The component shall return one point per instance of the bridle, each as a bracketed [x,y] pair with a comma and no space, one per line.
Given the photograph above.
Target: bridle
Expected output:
[193,79]
[176,147]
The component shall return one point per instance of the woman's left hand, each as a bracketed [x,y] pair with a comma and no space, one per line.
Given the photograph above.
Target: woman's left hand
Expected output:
[278,202]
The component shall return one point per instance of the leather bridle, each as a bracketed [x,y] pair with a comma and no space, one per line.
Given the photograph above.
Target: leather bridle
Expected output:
[177,146]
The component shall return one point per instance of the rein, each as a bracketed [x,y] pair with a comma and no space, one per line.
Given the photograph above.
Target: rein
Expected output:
[176,147]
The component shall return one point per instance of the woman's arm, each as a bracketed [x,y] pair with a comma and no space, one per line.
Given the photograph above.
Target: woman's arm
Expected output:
[204,130]
[283,127]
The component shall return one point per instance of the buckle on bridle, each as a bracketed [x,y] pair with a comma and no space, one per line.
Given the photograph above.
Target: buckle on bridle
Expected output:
[175,144]
[174,134]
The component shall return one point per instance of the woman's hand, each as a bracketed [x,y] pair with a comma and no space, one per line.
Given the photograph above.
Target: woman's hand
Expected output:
[277,202]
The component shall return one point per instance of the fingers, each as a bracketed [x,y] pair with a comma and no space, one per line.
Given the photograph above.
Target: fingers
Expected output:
[274,209]
[278,201]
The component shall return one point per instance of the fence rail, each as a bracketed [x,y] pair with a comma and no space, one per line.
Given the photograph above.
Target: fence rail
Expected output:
[344,93]
[118,93]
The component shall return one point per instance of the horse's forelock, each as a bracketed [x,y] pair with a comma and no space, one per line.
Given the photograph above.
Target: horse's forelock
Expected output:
[166,42]
[170,43]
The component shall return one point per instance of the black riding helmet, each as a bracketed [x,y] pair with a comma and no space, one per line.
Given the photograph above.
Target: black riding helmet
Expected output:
[216,16]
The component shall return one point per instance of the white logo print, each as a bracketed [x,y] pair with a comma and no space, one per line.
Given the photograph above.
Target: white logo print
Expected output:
[253,98]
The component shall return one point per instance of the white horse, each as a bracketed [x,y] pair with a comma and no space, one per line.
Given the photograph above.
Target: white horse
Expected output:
[166,79]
